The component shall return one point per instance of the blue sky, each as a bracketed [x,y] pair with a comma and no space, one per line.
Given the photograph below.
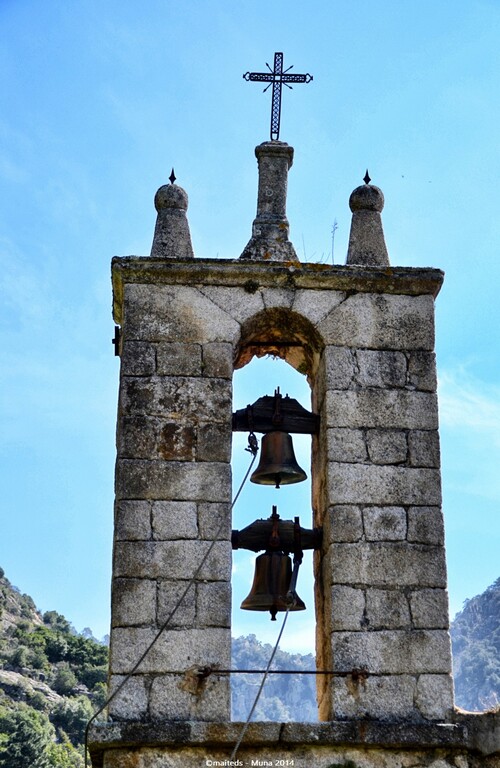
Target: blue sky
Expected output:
[99,101]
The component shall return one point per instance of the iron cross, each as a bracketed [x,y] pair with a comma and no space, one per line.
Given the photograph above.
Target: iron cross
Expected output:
[276,77]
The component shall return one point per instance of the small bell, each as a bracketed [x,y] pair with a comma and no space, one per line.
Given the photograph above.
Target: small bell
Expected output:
[277,465]
[271,582]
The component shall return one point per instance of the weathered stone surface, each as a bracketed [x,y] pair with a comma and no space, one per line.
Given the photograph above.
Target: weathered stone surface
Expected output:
[175,313]
[376,321]
[381,564]
[213,604]
[172,238]
[178,359]
[218,360]
[174,520]
[168,700]
[339,367]
[380,697]
[387,609]
[346,445]
[381,369]
[238,303]
[201,481]
[381,408]
[367,484]
[133,602]
[317,305]
[177,398]
[429,608]
[424,448]
[169,595]
[278,297]
[392,652]
[384,523]
[422,371]
[347,608]
[133,520]
[141,437]
[138,358]
[425,525]
[214,442]
[175,650]
[172,559]
[131,703]
[435,696]
[387,446]
[214,521]
[343,523]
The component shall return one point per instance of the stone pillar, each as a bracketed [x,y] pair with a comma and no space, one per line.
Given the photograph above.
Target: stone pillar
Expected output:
[270,228]
[173,492]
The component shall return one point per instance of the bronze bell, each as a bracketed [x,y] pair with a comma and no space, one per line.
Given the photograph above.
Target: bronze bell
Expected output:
[277,465]
[271,582]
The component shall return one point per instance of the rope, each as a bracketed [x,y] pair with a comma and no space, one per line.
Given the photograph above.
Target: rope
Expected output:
[244,729]
[252,448]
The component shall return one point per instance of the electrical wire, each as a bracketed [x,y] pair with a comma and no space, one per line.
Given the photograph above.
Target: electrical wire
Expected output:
[252,448]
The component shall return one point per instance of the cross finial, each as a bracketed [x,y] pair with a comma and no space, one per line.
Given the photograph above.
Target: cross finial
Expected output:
[277,78]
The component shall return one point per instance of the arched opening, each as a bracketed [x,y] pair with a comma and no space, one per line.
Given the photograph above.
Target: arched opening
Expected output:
[273,344]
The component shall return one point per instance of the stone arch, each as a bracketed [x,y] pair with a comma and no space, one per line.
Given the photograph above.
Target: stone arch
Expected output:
[283,333]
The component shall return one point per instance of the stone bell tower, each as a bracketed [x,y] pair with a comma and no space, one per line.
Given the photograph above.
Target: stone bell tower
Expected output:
[363,334]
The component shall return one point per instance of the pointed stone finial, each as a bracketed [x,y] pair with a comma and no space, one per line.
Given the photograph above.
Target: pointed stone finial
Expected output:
[172,238]
[366,241]
[270,228]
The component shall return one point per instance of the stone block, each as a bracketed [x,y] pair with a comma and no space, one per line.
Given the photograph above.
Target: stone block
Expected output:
[429,608]
[141,437]
[343,523]
[425,525]
[278,297]
[424,448]
[422,371]
[131,703]
[214,442]
[138,358]
[170,702]
[386,564]
[384,523]
[384,369]
[176,313]
[387,609]
[347,608]
[133,602]
[239,303]
[379,485]
[339,367]
[392,652]
[214,521]
[387,446]
[315,305]
[434,696]
[346,445]
[177,359]
[174,520]
[213,604]
[381,321]
[173,559]
[169,595]
[218,360]
[391,408]
[380,698]
[200,481]
[175,651]
[133,520]
[186,399]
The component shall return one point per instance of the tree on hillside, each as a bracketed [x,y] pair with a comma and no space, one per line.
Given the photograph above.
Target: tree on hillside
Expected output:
[29,735]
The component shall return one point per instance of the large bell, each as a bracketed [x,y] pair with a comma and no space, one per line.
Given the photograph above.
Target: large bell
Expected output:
[271,582]
[277,465]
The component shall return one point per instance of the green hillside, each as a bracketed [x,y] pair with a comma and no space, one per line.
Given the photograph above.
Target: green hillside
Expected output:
[51,680]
